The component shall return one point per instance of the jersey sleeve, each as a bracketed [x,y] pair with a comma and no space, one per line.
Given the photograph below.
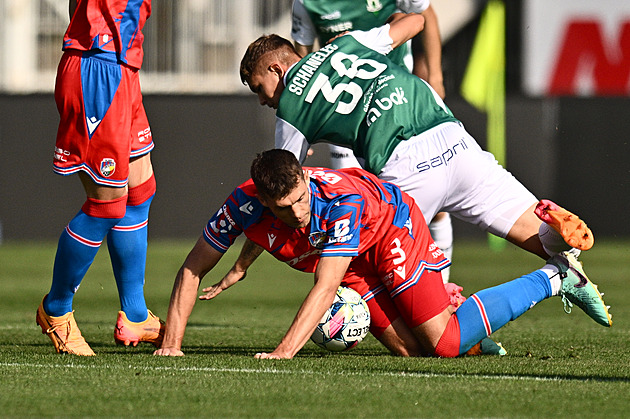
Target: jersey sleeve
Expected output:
[377,39]
[229,222]
[344,227]
[302,28]
[412,6]
[290,138]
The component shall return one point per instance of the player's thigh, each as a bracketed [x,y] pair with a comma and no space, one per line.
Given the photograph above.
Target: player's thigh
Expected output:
[423,305]
[484,193]
[140,166]
[140,170]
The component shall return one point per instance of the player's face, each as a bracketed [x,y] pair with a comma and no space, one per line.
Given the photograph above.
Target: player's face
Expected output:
[294,209]
[267,84]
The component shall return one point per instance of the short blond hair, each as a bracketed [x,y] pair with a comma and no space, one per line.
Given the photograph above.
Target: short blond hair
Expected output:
[281,47]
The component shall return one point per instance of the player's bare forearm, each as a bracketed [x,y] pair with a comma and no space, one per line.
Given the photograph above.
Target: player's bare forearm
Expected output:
[432,46]
[249,253]
[181,305]
[403,27]
[201,259]
[328,276]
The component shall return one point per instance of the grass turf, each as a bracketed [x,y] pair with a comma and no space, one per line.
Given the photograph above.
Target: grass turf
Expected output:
[557,364]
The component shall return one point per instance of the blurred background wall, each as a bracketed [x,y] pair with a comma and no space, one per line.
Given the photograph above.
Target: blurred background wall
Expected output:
[567,106]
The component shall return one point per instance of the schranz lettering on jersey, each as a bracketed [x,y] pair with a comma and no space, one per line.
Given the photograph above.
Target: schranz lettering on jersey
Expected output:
[306,70]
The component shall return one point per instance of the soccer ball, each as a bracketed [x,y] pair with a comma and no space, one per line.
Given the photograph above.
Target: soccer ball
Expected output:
[345,323]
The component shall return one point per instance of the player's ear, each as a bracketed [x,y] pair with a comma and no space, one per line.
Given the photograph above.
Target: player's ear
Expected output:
[276,68]
[262,200]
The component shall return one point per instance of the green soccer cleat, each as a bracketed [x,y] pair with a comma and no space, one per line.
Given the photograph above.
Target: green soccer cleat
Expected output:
[579,290]
[487,347]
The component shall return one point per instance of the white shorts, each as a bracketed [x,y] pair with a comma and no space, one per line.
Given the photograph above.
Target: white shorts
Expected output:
[444,169]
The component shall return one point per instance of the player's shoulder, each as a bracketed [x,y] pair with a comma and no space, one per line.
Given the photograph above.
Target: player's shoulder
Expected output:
[245,199]
[335,185]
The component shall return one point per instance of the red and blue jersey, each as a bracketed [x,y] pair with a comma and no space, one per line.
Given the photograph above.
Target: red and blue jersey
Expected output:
[113,26]
[351,211]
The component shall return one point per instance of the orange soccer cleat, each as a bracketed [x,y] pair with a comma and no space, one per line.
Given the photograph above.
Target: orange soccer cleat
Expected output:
[572,229]
[130,333]
[64,332]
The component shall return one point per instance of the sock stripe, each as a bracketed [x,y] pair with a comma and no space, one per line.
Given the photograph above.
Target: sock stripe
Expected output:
[134,227]
[82,240]
[483,313]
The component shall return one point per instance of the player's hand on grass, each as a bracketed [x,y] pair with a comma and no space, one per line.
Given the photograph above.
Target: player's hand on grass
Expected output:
[168,352]
[231,278]
[211,292]
[272,355]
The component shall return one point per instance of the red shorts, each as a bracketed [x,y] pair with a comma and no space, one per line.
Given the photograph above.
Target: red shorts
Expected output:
[102,119]
[400,277]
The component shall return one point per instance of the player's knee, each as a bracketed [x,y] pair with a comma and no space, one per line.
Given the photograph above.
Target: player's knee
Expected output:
[399,340]
[113,209]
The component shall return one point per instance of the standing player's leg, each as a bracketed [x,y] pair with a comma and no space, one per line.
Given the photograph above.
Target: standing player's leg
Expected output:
[76,250]
[84,145]
[127,241]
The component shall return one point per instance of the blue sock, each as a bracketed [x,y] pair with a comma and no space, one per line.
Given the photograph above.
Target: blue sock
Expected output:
[488,310]
[76,250]
[127,243]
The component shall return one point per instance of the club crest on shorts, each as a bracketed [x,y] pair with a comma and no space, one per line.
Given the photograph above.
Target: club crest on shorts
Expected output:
[108,167]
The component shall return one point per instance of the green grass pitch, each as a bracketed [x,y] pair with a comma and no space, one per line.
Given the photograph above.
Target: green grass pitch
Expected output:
[558,365]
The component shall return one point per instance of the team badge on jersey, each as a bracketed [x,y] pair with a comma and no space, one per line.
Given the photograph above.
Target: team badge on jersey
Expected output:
[108,167]
[374,6]
[317,239]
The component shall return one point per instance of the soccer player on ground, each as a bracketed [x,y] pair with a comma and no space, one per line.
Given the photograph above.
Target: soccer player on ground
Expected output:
[104,136]
[352,229]
[349,93]
[322,20]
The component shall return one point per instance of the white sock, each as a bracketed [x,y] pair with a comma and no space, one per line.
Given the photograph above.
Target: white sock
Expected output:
[552,272]
[552,241]
[442,233]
